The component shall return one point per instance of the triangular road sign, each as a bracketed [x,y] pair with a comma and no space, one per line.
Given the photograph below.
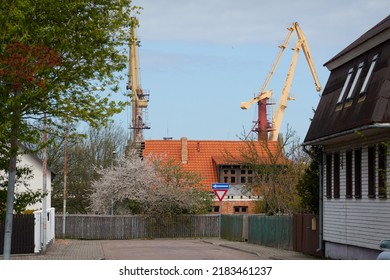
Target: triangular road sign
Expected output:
[220,194]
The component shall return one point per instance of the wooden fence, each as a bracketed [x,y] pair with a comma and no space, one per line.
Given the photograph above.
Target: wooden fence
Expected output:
[306,234]
[22,241]
[299,232]
[131,227]
[272,231]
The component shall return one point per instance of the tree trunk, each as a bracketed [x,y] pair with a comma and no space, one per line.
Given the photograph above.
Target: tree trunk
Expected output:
[11,180]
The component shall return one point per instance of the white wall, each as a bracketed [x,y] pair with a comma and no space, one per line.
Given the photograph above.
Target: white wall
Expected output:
[356,222]
[36,183]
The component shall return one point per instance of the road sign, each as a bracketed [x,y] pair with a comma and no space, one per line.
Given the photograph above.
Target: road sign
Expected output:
[220,186]
[220,194]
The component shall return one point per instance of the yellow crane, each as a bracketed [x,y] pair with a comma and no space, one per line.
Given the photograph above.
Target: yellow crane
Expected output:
[266,94]
[139,99]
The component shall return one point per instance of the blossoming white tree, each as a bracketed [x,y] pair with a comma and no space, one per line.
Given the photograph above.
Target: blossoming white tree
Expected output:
[154,186]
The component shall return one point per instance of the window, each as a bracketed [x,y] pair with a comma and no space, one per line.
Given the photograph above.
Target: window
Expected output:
[235,174]
[382,174]
[336,176]
[371,172]
[358,173]
[355,80]
[348,171]
[368,76]
[328,176]
[346,84]
[215,209]
[240,209]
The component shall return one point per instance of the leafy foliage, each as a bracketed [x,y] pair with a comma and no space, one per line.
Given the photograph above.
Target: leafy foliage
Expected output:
[276,172]
[22,199]
[308,186]
[55,53]
[153,187]
[52,55]
[86,150]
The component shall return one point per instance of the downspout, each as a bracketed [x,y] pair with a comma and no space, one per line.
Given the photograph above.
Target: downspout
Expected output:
[321,204]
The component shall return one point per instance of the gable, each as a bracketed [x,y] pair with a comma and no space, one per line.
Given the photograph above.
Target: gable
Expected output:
[356,96]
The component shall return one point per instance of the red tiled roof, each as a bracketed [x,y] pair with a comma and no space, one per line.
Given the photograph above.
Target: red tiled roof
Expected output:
[203,155]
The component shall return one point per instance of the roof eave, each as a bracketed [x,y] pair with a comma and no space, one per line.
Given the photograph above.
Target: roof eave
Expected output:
[329,138]
[370,43]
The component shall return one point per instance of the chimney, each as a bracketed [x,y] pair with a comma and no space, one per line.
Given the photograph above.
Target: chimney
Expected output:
[184,150]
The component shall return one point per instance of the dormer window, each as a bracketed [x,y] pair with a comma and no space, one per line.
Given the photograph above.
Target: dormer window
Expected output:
[363,90]
[355,80]
[351,87]
[346,84]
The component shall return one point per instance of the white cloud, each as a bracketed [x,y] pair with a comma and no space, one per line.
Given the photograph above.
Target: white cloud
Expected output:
[201,58]
[254,21]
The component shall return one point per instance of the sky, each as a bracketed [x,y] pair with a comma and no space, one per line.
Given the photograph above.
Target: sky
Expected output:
[199,59]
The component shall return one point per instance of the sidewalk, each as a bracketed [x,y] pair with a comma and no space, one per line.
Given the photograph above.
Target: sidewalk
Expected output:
[69,249]
[264,252]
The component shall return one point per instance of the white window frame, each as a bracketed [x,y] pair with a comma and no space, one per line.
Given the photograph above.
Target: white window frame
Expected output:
[369,74]
[341,97]
[355,80]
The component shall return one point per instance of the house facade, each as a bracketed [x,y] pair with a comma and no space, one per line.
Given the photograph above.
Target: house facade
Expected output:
[216,162]
[352,125]
[35,181]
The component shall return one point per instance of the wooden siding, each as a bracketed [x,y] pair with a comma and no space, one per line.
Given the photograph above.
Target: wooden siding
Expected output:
[357,222]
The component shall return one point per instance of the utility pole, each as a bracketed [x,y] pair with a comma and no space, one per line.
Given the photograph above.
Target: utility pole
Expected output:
[112,196]
[65,195]
[44,185]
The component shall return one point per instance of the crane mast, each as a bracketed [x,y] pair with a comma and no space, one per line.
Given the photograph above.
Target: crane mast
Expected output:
[139,100]
[264,94]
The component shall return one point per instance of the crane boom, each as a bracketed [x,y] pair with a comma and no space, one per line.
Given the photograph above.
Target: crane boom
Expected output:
[138,98]
[282,104]
[306,51]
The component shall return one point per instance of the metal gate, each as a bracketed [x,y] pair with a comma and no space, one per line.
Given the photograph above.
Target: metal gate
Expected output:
[22,234]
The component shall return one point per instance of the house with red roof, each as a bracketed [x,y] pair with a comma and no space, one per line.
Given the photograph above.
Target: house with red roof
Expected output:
[216,161]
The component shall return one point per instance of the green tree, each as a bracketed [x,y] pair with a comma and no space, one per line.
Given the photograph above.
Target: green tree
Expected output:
[277,167]
[21,199]
[52,53]
[308,186]
[99,148]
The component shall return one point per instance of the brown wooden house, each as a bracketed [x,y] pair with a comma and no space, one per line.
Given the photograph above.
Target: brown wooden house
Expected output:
[352,125]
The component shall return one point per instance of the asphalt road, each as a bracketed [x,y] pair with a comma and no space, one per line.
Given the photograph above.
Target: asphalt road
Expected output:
[171,250]
[160,249]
